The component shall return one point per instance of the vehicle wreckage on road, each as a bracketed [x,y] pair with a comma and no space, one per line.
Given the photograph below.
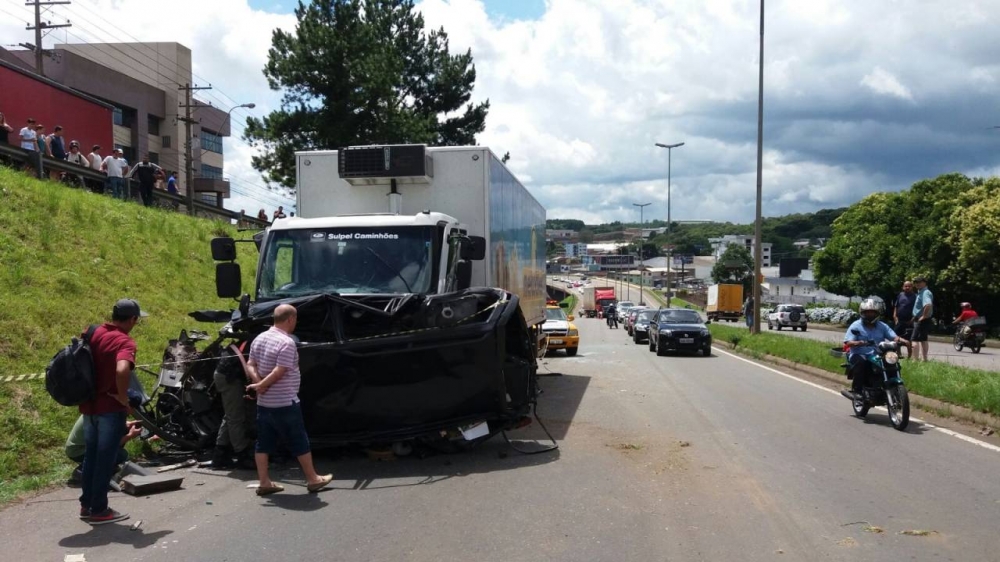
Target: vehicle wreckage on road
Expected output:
[423,323]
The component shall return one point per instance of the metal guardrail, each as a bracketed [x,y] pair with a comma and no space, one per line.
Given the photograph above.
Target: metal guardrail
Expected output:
[41,165]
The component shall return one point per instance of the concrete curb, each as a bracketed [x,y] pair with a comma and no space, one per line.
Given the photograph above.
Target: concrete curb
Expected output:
[931,404]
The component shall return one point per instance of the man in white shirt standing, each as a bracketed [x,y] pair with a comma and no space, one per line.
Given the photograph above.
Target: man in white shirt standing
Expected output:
[116,167]
[29,139]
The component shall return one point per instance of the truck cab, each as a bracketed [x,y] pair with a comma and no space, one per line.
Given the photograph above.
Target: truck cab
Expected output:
[366,254]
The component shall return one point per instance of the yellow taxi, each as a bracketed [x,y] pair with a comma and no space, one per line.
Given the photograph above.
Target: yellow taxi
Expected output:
[559,330]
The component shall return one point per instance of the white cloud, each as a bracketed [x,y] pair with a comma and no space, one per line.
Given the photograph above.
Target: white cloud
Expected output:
[882,82]
[579,95]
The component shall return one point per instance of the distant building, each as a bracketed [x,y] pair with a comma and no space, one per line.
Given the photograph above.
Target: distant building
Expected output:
[575,250]
[719,246]
[559,235]
[140,81]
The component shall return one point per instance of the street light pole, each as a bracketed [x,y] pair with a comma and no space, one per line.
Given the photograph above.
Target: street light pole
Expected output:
[642,223]
[670,251]
[755,327]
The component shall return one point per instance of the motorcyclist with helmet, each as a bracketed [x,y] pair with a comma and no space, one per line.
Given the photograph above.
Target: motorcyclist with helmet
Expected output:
[612,315]
[866,329]
[966,315]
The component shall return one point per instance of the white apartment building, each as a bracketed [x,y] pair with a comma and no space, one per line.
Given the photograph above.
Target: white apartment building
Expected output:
[719,246]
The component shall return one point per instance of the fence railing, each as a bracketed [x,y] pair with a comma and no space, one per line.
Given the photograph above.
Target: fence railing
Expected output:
[82,177]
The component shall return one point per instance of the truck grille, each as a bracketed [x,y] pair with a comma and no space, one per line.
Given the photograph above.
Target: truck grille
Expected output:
[555,332]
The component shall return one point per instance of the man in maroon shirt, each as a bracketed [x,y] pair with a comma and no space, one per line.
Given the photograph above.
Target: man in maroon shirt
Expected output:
[104,416]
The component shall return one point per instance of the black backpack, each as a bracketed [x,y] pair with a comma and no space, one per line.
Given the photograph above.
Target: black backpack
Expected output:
[69,378]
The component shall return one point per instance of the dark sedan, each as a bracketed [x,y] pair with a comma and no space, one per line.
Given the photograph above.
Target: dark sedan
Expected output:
[679,329]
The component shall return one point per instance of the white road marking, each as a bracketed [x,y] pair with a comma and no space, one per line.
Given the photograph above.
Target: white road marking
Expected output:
[949,432]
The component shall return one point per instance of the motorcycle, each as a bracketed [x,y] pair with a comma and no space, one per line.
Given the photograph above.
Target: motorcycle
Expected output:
[971,334]
[884,386]
[612,319]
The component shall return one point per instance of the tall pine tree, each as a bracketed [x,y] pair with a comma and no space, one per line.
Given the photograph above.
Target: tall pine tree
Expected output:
[360,72]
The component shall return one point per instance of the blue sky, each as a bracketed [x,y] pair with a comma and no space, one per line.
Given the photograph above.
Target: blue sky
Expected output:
[497,9]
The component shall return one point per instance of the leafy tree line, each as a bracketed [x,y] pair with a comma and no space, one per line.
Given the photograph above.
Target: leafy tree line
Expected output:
[946,229]
[781,231]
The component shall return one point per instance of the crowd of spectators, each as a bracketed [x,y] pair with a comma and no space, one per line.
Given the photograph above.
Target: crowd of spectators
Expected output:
[114,168]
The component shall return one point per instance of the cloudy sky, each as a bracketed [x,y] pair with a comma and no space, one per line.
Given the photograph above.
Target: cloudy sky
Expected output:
[860,96]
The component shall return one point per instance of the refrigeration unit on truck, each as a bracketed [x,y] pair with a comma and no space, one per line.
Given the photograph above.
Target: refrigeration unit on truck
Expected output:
[596,298]
[725,302]
[418,274]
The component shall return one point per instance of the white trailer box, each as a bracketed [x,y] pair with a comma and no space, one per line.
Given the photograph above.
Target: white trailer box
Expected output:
[468,183]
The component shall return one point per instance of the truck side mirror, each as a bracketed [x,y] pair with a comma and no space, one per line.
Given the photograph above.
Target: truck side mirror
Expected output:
[223,249]
[227,280]
[473,248]
[463,274]
[258,239]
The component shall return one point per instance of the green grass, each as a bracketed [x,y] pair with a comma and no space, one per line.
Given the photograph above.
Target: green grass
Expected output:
[67,256]
[972,388]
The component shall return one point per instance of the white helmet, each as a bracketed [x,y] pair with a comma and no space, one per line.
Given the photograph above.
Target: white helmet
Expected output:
[871,304]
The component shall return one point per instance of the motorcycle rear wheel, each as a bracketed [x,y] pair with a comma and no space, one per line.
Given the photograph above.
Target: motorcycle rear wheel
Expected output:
[149,421]
[976,348]
[898,404]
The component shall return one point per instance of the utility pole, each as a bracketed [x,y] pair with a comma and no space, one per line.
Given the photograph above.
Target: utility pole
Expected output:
[755,327]
[38,28]
[188,142]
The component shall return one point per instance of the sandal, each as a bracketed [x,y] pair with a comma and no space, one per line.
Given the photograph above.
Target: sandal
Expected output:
[268,490]
[324,481]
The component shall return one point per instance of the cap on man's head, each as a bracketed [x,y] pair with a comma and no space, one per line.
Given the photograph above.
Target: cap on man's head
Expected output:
[95,147]
[31,119]
[127,308]
[58,128]
[919,279]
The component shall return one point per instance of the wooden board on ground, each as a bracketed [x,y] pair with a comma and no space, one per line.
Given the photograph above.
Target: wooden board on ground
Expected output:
[143,485]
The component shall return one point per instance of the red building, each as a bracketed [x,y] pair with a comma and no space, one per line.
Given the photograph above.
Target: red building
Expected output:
[24,94]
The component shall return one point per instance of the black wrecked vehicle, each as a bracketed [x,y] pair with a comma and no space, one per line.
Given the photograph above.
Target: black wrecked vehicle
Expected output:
[679,329]
[406,332]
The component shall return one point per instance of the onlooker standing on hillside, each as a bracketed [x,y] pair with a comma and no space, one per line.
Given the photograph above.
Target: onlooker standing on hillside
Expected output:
[95,157]
[146,172]
[57,144]
[116,167]
[279,415]
[29,138]
[172,183]
[280,213]
[75,156]
[104,417]
[5,129]
[42,140]
[923,310]
[262,215]
[57,148]
[748,311]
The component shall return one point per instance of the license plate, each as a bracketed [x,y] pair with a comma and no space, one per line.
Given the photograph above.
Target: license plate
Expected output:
[555,342]
[686,340]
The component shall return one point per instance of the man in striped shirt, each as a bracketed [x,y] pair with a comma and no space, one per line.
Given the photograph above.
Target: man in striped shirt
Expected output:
[279,413]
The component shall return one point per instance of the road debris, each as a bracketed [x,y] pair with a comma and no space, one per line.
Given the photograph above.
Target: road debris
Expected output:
[135,526]
[986,431]
[685,443]
[74,558]
[917,533]
[186,464]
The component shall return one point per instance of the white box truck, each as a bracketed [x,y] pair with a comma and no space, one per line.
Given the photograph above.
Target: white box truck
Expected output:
[419,278]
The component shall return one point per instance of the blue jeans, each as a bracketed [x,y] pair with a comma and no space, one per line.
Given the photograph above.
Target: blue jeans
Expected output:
[102,434]
[117,187]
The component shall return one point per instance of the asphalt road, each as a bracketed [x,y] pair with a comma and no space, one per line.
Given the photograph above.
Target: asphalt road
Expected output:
[660,458]
[988,358]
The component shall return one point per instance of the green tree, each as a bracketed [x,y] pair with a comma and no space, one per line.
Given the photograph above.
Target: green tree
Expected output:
[735,265]
[946,229]
[586,235]
[360,72]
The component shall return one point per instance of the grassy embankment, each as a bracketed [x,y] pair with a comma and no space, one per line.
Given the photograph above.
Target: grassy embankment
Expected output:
[67,256]
[972,388]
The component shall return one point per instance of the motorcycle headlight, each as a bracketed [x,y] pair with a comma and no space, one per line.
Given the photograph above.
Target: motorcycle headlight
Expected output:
[573,332]
[892,358]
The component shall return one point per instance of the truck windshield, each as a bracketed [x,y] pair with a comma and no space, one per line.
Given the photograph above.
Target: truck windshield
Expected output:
[367,260]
